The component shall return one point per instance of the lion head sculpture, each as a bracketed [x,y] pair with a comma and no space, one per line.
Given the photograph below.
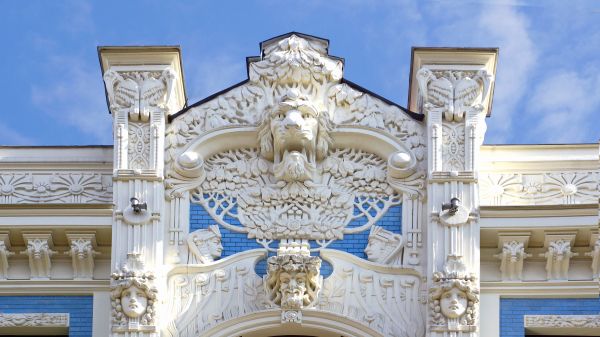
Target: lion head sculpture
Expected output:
[295,135]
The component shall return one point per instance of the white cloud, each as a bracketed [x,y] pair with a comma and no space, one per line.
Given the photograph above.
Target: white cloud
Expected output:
[213,75]
[508,29]
[76,98]
[9,136]
[565,105]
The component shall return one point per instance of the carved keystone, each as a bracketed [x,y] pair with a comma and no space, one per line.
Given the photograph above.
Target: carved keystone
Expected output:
[512,254]
[5,253]
[82,253]
[39,250]
[558,254]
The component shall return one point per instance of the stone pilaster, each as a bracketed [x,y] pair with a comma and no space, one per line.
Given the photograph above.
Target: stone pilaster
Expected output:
[453,93]
[144,86]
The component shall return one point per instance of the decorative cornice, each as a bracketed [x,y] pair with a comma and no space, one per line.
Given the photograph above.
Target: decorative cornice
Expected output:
[41,320]
[562,321]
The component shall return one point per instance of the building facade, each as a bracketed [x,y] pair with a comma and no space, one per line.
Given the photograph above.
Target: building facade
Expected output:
[299,203]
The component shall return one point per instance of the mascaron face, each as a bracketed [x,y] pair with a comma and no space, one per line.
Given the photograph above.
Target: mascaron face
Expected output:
[133,302]
[294,129]
[453,303]
[293,289]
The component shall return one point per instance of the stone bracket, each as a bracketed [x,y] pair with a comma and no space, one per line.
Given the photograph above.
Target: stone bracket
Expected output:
[512,247]
[82,253]
[5,253]
[39,250]
[558,253]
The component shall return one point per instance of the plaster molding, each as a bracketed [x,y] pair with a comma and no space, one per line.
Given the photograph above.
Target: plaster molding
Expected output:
[56,187]
[38,320]
[39,250]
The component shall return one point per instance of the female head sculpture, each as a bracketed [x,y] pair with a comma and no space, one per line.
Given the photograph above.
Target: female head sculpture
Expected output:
[133,297]
[455,299]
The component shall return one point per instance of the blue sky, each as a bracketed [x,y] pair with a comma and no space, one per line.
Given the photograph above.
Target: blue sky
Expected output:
[548,78]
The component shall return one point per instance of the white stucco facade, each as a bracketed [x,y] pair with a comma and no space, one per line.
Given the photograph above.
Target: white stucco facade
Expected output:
[299,203]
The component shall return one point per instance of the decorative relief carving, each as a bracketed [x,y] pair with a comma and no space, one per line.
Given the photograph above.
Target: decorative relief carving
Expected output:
[384,247]
[577,187]
[82,253]
[453,147]
[139,146]
[41,320]
[204,245]
[39,252]
[562,321]
[293,282]
[61,187]
[511,257]
[5,253]
[133,301]
[139,93]
[558,258]
[387,299]
[350,106]
[453,92]
[202,296]
[240,185]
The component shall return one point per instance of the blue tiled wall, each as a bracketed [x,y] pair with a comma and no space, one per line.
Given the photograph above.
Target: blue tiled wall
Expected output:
[238,242]
[80,309]
[512,311]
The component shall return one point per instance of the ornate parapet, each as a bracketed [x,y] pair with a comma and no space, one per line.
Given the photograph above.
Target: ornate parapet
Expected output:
[39,250]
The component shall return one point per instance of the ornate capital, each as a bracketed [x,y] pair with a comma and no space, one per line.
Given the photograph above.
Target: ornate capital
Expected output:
[5,253]
[558,255]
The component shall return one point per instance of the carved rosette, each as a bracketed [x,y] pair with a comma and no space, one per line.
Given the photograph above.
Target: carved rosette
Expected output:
[293,283]
[133,301]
